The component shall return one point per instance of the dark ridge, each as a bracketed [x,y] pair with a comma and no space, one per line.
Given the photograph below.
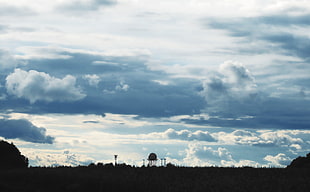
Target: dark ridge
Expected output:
[300,162]
[10,156]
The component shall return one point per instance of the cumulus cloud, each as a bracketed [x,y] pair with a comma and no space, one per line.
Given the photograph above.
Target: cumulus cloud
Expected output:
[261,139]
[236,74]
[38,86]
[122,86]
[189,135]
[240,163]
[278,160]
[203,155]
[128,87]
[277,138]
[93,80]
[233,81]
[66,158]
[204,152]
[24,130]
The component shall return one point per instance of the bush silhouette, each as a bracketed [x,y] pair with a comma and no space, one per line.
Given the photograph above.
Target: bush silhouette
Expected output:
[10,156]
[300,162]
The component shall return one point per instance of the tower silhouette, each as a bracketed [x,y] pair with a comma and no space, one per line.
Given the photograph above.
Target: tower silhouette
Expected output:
[115,158]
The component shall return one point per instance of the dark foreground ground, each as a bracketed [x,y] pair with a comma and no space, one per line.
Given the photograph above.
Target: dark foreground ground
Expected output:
[159,179]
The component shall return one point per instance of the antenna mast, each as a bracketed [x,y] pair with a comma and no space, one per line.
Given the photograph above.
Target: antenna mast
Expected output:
[115,158]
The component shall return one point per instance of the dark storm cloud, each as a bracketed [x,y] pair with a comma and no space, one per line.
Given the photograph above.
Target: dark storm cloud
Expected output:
[283,20]
[243,26]
[291,44]
[153,101]
[85,63]
[24,130]
[95,122]
[91,5]
[265,112]
[268,29]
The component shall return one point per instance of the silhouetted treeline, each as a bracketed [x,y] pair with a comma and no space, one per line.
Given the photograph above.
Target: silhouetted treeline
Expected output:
[121,177]
[10,156]
[126,178]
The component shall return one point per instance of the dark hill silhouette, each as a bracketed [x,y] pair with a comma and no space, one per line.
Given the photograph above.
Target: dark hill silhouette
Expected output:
[10,156]
[301,162]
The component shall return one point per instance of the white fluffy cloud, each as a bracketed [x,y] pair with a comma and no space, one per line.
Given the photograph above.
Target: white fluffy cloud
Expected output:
[203,155]
[189,135]
[93,80]
[65,158]
[39,86]
[263,139]
[122,86]
[185,135]
[278,160]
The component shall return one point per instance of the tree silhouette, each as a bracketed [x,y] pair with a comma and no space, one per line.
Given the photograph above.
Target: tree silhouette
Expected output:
[300,162]
[10,156]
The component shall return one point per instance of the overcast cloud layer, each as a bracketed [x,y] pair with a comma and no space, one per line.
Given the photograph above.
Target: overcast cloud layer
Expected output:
[198,82]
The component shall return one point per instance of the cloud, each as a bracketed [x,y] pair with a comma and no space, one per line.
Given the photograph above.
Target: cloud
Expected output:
[7,60]
[277,138]
[24,130]
[38,86]
[11,10]
[86,5]
[93,80]
[241,163]
[125,87]
[237,74]
[3,97]
[185,135]
[3,28]
[122,86]
[272,29]
[203,155]
[189,135]
[295,45]
[278,160]
[233,84]
[233,81]
[262,138]
[95,122]
[65,158]
[235,99]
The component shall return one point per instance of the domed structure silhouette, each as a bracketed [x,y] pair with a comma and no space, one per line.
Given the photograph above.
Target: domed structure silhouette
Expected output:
[152,159]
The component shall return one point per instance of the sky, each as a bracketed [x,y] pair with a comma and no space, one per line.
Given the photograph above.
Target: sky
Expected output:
[198,82]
